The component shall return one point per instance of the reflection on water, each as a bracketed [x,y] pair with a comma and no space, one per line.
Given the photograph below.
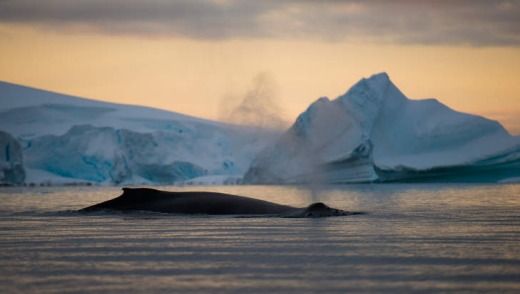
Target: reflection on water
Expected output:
[414,238]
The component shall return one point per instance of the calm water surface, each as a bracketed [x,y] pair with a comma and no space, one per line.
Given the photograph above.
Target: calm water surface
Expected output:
[414,238]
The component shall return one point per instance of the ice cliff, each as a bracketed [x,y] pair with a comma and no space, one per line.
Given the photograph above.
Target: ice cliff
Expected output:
[373,133]
[11,161]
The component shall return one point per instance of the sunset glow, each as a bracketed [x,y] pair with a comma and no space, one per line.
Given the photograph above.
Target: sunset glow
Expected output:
[190,63]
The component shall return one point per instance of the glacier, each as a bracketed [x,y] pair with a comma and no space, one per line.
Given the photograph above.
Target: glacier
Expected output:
[374,133]
[71,140]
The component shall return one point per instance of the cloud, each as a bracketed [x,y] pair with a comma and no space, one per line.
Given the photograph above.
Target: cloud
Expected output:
[459,22]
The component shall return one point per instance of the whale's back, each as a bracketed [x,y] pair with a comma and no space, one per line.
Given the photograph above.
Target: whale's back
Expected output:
[146,199]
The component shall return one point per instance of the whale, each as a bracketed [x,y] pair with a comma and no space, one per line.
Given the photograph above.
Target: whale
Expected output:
[208,203]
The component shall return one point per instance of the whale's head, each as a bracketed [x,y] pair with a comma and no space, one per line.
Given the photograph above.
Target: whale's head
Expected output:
[317,209]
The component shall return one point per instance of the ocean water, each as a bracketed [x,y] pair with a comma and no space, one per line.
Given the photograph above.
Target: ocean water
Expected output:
[413,238]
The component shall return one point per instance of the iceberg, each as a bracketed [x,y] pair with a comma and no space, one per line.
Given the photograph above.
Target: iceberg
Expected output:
[374,133]
[71,140]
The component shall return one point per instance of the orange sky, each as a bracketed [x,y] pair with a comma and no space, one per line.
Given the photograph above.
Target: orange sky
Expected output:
[194,75]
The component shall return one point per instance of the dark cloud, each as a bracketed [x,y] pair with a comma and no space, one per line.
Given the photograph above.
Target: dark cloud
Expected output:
[470,22]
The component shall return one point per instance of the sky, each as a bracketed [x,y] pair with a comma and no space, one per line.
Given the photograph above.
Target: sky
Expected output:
[206,58]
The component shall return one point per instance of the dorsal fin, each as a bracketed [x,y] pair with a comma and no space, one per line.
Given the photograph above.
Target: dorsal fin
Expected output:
[133,192]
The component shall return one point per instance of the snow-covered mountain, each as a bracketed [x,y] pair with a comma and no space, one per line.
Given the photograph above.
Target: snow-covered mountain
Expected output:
[374,133]
[67,139]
